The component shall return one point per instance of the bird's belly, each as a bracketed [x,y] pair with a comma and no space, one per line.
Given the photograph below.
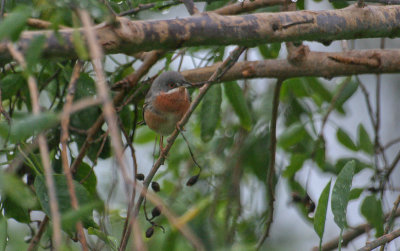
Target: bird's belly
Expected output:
[163,124]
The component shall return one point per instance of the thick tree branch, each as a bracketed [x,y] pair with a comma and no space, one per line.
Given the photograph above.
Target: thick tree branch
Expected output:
[126,36]
[318,64]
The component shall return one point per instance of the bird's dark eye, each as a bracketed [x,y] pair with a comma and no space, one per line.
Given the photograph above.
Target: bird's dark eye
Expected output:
[172,85]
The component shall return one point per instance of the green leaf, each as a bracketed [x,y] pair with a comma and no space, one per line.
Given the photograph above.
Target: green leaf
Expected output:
[15,211]
[87,177]
[236,98]
[341,194]
[3,233]
[14,189]
[14,23]
[320,213]
[210,112]
[318,88]
[34,51]
[292,135]
[348,90]
[270,50]
[339,4]
[296,163]
[364,141]
[10,85]
[19,129]
[343,161]
[63,198]
[111,241]
[355,193]
[371,209]
[345,140]
[84,212]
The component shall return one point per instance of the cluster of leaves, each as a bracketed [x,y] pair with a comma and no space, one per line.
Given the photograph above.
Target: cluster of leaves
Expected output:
[229,132]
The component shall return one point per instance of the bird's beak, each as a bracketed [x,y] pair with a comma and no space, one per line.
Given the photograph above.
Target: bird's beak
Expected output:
[186,84]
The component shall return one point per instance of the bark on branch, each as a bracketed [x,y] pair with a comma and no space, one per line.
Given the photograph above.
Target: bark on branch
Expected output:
[318,64]
[126,36]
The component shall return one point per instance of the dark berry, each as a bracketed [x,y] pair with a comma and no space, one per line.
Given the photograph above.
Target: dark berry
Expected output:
[192,180]
[155,186]
[140,176]
[149,232]
[155,212]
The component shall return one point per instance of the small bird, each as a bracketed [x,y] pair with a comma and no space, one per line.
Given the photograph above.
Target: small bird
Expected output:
[166,102]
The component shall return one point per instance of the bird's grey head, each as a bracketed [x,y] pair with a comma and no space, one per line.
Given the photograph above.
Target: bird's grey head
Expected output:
[167,81]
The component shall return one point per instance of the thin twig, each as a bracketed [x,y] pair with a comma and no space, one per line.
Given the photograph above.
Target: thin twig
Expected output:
[392,216]
[271,169]
[350,235]
[44,151]
[380,241]
[391,143]
[103,93]
[332,105]
[217,75]
[65,118]
[192,9]
[36,239]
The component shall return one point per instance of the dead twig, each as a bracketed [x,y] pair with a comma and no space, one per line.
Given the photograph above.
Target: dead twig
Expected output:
[65,117]
[271,168]
[44,151]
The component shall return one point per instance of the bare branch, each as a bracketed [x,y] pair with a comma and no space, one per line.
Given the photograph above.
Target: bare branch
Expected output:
[192,9]
[36,239]
[315,64]
[381,241]
[64,155]
[126,36]
[271,168]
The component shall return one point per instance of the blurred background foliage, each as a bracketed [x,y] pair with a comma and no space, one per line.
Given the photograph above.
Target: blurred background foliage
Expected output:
[229,134]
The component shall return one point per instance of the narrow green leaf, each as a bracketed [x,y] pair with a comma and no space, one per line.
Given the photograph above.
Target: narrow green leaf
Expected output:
[28,126]
[318,88]
[347,92]
[296,163]
[345,140]
[341,194]
[14,189]
[210,112]
[292,135]
[355,193]
[364,141]
[3,233]
[14,23]
[371,209]
[236,98]
[10,85]
[320,213]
